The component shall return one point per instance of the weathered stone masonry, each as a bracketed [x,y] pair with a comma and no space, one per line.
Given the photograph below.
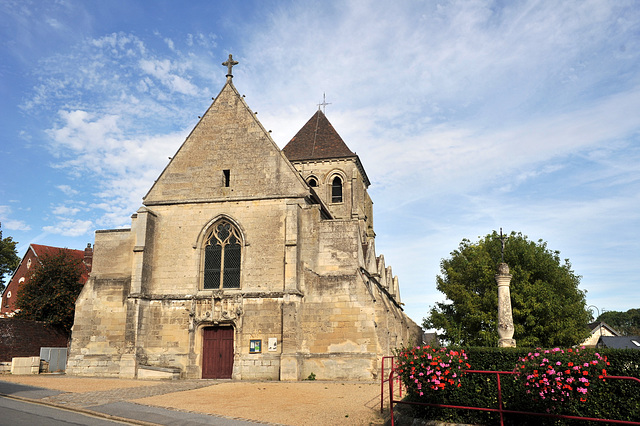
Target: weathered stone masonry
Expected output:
[307,284]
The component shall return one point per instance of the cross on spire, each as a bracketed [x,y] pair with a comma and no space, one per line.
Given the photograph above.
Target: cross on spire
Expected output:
[324,103]
[229,64]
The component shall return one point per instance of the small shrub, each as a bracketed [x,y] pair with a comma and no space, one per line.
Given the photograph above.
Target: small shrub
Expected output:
[559,375]
[428,368]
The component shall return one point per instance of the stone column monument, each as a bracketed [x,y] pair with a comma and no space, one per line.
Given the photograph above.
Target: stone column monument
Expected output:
[505,317]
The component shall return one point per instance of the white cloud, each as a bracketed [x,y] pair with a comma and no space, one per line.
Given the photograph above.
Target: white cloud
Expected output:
[15,225]
[64,210]
[82,130]
[67,190]
[165,71]
[11,224]
[70,228]
[55,24]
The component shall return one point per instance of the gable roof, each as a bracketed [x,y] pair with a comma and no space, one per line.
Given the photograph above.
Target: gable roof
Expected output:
[40,250]
[230,139]
[595,327]
[317,140]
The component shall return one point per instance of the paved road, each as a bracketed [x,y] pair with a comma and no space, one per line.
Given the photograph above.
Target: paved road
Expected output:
[112,403]
[21,413]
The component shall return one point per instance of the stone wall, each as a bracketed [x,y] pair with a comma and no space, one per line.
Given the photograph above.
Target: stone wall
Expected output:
[101,318]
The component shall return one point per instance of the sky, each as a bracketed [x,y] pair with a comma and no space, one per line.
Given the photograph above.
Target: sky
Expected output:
[468,116]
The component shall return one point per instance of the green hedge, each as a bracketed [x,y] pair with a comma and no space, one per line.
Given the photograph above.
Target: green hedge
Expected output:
[611,399]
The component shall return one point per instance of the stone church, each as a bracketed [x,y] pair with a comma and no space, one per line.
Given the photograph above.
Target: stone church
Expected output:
[246,262]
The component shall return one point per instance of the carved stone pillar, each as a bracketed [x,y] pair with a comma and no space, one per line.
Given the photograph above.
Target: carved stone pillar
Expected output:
[505,317]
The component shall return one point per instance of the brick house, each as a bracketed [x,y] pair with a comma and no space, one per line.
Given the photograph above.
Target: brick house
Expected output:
[34,253]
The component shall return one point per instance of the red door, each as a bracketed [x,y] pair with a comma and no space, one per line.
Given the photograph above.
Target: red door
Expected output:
[217,353]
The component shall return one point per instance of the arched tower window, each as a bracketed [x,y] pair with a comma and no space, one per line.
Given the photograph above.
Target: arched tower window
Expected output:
[223,252]
[312,182]
[336,190]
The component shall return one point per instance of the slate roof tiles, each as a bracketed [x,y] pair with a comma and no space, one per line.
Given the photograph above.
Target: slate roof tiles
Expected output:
[317,140]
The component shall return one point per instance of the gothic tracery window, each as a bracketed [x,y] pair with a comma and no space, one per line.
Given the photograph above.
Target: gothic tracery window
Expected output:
[336,190]
[223,252]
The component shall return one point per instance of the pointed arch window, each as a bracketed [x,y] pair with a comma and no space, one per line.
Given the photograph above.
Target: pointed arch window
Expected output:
[312,182]
[336,190]
[223,253]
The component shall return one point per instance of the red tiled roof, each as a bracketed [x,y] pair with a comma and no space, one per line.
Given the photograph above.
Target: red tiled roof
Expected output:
[317,140]
[41,250]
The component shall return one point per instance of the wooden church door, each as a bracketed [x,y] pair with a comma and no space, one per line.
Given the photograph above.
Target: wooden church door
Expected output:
[217,353]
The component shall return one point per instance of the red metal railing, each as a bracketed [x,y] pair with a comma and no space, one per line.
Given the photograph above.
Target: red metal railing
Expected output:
[383,381]
[500,408]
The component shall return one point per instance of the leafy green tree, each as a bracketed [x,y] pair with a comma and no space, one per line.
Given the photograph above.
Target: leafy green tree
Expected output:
[627,323]
[549,309]
[9,259]
[50,293]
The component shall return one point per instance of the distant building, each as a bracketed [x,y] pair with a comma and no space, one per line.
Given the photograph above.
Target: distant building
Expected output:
[619,342]
[245,262]
[34,254]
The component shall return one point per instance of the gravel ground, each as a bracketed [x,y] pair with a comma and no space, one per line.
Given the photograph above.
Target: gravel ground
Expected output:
[299,403]
[287,403]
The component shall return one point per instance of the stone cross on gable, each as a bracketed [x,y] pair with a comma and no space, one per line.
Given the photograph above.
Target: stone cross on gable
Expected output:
[229,64]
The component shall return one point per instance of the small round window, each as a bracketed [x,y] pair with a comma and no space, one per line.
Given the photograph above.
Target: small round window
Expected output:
[28,263]
[8,295]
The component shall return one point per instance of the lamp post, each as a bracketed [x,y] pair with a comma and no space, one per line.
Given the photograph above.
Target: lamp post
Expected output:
[599,322]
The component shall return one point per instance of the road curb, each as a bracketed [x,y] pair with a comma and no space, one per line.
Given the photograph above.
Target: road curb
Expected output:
[80,410]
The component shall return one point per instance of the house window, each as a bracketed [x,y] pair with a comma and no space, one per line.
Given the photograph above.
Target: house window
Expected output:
[223,252]
[336,190]
[227,177]
[28,263]
[313,182]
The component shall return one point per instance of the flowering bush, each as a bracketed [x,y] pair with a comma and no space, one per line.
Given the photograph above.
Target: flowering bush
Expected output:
[561,375]
[424,368]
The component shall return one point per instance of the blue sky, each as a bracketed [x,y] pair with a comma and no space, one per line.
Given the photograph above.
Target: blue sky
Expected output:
[468,117]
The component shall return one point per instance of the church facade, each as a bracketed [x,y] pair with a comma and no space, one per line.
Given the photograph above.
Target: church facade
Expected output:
[246,262]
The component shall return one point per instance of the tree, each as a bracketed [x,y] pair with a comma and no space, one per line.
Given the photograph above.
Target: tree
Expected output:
[9,259]
[549,309]
[50,293]
[627,323]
